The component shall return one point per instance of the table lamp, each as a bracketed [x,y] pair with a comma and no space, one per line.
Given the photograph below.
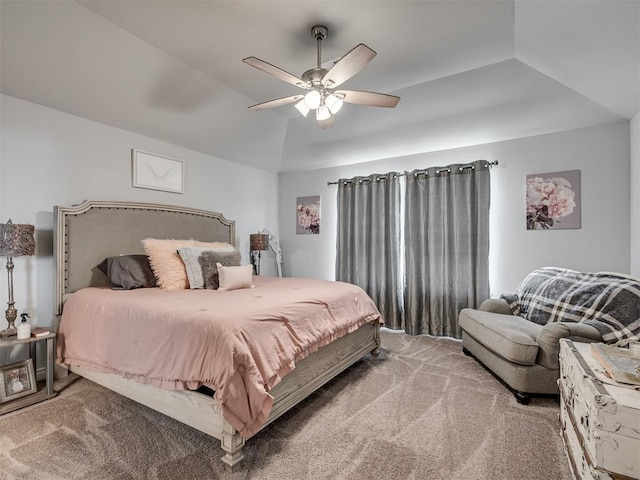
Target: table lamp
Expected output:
[257,243]
[15,240]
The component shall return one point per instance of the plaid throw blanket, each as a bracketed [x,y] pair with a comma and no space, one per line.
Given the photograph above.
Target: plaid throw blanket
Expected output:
[609,302]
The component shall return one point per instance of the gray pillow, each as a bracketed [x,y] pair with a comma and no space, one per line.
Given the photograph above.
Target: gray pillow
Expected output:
[126,272]
[191,258]
[209,260]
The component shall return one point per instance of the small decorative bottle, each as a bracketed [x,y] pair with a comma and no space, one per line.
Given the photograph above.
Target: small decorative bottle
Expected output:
[24,329]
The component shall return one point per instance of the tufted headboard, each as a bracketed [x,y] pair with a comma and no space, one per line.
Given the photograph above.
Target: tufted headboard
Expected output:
[87,233]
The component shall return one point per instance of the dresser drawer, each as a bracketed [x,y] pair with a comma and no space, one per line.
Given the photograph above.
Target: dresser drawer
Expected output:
[581,467]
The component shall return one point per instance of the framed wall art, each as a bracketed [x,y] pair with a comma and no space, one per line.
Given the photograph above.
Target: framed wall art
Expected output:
[553,200]
[17,380]
[308,215]
[157,172]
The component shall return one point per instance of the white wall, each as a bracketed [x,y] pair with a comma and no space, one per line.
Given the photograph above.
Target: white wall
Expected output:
[601,153]
[635,194]
[52,158]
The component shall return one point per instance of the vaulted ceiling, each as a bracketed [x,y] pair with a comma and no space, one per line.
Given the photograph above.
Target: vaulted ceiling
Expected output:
[468,72]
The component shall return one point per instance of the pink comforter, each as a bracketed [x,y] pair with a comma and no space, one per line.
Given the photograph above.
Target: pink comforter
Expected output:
[239,343]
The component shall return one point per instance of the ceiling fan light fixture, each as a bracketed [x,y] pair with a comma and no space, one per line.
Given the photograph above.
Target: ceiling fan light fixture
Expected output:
[301,106]
[319,83]
[312,99]
[323,113]
[334,103]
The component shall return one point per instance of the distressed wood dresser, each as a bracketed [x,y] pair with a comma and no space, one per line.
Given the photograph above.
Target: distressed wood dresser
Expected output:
[600,418]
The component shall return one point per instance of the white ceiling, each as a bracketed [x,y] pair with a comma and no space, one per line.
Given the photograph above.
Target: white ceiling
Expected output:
[468,72]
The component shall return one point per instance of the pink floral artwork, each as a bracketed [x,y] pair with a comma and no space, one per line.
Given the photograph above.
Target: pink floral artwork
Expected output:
[553,200]
[308,215]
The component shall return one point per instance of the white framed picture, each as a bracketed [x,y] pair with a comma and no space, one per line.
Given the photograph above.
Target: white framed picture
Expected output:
[157,172]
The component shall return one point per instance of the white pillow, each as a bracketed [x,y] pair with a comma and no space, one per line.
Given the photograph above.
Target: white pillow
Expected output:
[191,258]
[233,278]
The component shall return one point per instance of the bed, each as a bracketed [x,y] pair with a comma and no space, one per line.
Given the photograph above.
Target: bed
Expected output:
[85,234]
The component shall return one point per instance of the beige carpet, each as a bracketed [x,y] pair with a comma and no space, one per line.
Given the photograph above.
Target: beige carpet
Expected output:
[421,410]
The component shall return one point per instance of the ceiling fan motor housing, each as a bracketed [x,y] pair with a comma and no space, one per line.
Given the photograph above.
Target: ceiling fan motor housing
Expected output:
[314,76]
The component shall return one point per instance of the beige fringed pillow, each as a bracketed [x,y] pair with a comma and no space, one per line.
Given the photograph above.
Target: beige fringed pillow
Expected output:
[167,265]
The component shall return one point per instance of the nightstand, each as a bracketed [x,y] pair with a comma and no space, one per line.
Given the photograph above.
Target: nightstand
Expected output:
[44,392]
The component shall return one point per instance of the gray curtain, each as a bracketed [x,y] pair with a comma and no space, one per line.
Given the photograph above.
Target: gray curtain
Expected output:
[368,246]
[446,240]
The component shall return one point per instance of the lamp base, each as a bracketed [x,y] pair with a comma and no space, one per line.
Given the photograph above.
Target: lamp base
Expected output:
[255,261]
[8,332]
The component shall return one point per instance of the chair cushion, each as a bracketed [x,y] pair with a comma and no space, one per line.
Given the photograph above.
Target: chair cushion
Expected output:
[510,336]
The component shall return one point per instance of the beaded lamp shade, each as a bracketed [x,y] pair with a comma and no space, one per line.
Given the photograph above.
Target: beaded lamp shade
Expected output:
[259,241]
[16,239]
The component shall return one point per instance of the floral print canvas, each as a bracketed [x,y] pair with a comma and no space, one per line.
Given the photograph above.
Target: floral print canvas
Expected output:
[308,215]
[553,200]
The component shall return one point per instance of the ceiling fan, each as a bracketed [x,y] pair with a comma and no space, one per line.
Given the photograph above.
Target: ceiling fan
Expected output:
[321,83]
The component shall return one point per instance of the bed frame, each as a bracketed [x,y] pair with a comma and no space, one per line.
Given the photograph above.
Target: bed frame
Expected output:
[87,233]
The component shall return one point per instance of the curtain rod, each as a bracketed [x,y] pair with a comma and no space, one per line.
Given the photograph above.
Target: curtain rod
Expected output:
[421,172]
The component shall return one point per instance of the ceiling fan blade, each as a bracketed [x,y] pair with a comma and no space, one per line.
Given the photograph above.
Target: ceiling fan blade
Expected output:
[275,71]
[350,64]
[278,102]
[373,99]
[328,123]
